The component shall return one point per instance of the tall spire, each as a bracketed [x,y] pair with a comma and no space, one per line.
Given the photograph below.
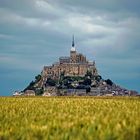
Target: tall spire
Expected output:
[73,41]
[73,45]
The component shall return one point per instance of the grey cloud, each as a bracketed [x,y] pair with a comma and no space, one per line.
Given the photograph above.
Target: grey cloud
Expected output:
[34,33]
[37,9]
[108,5]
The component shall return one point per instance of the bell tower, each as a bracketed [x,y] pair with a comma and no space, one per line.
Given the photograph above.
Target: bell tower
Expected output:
[73,52]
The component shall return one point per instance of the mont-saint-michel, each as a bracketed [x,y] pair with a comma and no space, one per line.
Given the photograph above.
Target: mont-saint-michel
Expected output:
[73,75]
[69,69]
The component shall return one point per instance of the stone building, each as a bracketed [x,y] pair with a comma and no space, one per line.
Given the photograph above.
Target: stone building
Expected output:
[74,65]
[29,93]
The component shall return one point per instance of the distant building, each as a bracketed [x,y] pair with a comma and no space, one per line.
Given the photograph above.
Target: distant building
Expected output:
[29,93]
[74,65]
[16,93]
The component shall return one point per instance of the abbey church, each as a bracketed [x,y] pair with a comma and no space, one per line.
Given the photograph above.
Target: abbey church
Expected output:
[74,65]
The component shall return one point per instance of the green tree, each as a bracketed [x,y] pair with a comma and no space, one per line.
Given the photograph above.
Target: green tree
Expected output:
[88,73]
[87,81]
[30,86]
[98,78]
[37,78]
[51,82]
[109,82]
[39,91]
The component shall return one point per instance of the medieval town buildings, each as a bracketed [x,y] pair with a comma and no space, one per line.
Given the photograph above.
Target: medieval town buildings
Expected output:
[74,65]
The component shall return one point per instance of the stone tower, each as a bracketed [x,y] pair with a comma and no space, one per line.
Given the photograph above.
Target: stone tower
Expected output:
[73,52]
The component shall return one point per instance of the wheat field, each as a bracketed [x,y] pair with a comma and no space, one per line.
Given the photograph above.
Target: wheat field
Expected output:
[69,118]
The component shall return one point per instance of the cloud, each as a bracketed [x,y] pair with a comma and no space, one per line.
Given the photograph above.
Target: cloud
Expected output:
[103,5]
[36,32]
[4,36]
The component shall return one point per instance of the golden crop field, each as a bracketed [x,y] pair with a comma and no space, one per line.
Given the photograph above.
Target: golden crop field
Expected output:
[69,118]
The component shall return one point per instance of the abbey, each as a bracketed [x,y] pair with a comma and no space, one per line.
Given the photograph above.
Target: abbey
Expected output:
[74,65]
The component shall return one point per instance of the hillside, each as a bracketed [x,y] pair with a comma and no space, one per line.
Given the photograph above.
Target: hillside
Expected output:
[73,75]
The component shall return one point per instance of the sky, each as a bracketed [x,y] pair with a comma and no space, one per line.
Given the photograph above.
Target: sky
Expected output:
[34,33]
